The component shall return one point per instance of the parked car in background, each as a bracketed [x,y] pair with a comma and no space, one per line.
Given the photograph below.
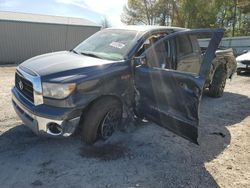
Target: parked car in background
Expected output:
[157,73]
[243,62]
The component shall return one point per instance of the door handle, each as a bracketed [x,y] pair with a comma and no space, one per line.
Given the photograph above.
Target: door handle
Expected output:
[182,85]
[194,91]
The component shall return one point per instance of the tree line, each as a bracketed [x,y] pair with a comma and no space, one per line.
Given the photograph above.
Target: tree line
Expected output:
[233,15]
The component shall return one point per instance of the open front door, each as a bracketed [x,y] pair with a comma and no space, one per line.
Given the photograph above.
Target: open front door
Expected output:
[167,96]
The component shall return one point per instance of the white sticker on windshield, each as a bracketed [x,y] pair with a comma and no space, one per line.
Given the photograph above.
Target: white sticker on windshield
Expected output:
[117,45]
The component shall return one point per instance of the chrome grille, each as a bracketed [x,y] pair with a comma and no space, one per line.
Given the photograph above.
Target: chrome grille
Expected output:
[24,86]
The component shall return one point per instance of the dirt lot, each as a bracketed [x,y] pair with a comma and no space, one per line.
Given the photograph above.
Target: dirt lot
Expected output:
[143,156]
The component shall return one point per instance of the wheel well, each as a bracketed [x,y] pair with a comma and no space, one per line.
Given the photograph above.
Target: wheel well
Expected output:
[102,98]
[84,111]
[221,65]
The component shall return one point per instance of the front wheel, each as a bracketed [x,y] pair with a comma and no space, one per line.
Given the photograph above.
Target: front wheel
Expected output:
[101,120]
[217,86]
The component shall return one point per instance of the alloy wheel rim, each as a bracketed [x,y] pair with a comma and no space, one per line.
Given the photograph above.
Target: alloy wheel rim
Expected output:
[109,123]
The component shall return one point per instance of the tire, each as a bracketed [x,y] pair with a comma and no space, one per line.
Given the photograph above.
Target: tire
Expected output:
[238,72]
[217,86]
[94,127]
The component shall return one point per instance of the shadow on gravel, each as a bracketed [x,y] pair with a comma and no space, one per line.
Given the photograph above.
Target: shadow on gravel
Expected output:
[105,152]
[150,156]
[216,115]
[21,138]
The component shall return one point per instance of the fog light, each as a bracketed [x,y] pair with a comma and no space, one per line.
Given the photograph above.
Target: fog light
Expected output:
[54,129]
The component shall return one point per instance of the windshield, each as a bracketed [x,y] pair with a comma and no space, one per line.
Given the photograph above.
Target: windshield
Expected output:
[111,44]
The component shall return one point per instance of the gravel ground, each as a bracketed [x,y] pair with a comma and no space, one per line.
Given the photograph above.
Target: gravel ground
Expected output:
[144,156]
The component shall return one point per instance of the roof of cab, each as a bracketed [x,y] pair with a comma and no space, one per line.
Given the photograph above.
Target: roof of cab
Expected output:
[148,28]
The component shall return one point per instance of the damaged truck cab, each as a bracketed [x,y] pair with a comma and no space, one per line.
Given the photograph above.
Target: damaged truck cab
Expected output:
[156,73]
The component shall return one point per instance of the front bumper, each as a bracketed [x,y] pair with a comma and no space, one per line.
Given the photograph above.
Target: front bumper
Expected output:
[66,119]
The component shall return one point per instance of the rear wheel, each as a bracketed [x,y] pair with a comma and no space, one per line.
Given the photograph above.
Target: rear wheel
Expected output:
[217,86]
[101,120]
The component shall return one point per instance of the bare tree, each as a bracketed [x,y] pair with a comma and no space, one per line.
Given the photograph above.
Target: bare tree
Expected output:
[105,23]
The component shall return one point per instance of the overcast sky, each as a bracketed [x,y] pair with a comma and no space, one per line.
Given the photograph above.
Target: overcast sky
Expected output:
[93,10]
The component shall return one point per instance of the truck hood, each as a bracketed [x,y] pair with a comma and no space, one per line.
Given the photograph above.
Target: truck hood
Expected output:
[65,63]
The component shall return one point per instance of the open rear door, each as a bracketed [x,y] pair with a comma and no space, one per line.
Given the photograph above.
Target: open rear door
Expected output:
[168,97]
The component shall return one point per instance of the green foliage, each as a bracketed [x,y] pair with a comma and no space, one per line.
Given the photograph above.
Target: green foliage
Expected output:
[233,15]
[147,12]
[197,13]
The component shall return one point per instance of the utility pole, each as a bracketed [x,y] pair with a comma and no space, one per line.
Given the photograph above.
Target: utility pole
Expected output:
[234,21]
[147,12]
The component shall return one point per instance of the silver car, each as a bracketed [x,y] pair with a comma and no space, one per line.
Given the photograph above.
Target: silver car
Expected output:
[243,62]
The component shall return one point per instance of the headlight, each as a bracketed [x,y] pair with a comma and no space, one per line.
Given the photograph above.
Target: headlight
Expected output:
[57,91]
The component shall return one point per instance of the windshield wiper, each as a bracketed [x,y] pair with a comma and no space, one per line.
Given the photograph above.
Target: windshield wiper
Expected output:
[74,51]
[90,54]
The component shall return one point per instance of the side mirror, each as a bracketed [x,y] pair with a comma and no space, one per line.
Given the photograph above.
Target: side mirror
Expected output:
[140,60]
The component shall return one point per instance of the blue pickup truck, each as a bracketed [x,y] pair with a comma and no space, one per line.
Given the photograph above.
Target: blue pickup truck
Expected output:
[152,72]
